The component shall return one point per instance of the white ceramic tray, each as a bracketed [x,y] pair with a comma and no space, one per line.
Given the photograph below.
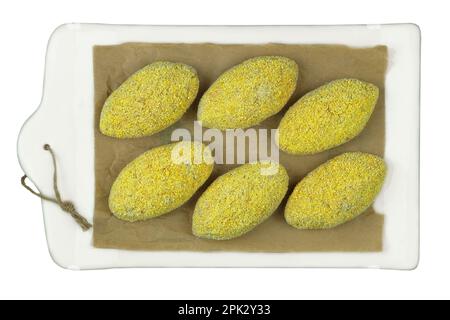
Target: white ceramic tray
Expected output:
[65,121]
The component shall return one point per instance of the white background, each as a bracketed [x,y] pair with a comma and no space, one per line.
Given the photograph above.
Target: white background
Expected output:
[26,269]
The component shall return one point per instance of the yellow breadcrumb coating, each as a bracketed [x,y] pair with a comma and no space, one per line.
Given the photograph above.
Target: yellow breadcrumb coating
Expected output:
[336,192]
[160,180]
[327,117]
[150,100]
[248,93]
[239,200]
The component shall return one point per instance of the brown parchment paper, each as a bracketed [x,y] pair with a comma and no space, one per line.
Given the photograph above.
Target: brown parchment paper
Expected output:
[318,64]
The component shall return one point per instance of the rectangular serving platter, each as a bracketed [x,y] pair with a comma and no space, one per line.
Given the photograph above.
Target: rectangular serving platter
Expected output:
[65,118]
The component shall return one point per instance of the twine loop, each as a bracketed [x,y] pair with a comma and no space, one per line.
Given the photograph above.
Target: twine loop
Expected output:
[66,206]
